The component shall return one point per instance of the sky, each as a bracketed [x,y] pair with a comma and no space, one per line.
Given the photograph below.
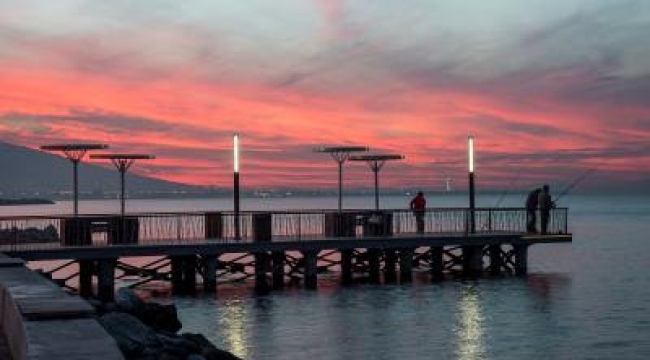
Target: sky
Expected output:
[549,88]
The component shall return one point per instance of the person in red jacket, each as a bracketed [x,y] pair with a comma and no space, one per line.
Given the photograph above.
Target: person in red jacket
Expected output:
[418,206]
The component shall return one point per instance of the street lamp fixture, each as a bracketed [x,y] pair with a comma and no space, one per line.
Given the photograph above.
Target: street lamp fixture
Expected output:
[376,162]
[122,163]
[75,153]
[340,154]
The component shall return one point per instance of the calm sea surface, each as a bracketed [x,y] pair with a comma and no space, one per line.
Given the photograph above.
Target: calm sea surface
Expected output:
[586,300]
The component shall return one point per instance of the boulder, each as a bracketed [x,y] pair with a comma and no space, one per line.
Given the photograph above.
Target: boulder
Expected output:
[127,300]
[132,336]
[160,317]
[208,350]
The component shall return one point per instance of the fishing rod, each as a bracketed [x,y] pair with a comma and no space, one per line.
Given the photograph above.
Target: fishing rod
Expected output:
[575,183]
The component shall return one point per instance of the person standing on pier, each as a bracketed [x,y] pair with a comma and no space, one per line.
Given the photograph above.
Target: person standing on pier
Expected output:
[418,206]
[545,206]
[531,210]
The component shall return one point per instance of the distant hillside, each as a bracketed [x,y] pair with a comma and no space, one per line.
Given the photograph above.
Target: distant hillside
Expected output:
[29,172]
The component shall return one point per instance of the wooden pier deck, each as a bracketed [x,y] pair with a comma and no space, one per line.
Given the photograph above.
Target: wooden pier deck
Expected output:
[277,247]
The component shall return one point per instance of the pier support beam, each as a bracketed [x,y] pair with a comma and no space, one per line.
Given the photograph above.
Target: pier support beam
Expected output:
[278,270]
[311,269]
[346,267]
[390,266]
[373,265]
[106,279]
[521,258]
[405,265]
[261,266]
[472,260]
[437,263]
[86,270]
[496,262]
[210,274]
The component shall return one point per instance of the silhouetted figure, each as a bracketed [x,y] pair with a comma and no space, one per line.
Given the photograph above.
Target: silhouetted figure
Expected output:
[418,205]
[531,210]
[545,206]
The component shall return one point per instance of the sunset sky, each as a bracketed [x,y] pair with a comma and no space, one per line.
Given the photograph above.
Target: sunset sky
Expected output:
[549,88]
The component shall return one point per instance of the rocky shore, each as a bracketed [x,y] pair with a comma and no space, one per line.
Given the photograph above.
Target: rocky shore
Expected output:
[150,331]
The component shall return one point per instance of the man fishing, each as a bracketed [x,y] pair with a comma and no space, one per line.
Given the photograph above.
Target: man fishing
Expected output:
[545,204]
[531,210]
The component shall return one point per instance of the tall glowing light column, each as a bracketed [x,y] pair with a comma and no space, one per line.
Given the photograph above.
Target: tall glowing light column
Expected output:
[236,184]
[472,223]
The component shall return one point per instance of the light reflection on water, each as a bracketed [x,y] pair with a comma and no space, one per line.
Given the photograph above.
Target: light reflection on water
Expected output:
[470,325]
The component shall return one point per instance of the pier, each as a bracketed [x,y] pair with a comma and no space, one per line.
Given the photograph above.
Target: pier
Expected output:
[276,249]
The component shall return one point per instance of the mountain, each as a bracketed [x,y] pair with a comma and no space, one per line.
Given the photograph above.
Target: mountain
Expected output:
[27,172]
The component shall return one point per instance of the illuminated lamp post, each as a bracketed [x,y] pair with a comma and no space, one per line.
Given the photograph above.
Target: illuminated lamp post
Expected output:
[122,163]
[236,184]
[75,153]
[472,204]
[340,154]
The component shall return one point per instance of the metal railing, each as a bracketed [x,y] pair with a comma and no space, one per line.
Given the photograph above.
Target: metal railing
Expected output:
[43,232]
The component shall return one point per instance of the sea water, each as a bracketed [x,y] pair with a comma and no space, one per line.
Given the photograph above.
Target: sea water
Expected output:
[585,300]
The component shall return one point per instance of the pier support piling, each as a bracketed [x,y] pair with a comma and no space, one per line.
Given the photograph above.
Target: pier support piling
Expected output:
[346,267]
[210,274]
[390,266]
[472,260]
[496,262]
[437,263]
[406,265]
[311,269]
[86,270]
[189,275]
[374,265]
[261,266]
[521,258]
[106,279]
[177,275]
[278,269]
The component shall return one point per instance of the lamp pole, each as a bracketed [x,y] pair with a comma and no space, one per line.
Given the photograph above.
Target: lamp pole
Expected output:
[472,205]
[236,184]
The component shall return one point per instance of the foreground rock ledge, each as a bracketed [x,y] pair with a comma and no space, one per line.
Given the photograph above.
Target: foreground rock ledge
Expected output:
[149,331]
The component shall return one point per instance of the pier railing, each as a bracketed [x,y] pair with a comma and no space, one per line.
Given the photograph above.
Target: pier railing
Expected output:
[42,232]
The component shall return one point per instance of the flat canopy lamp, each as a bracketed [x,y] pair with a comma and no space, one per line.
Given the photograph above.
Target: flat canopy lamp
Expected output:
[376,162]
[75,153]
[340,154]
[122,163]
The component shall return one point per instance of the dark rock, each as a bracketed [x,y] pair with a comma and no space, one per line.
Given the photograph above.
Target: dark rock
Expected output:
[160,317]
[127,300]
[208,350]
[177,345]
[131,335]
[195,357]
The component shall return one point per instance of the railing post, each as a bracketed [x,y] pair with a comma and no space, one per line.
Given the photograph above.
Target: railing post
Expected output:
[490,220]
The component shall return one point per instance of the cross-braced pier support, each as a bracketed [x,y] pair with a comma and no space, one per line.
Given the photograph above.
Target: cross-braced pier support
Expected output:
[374,265]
